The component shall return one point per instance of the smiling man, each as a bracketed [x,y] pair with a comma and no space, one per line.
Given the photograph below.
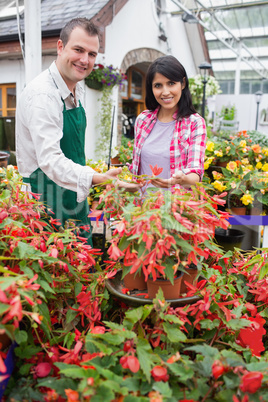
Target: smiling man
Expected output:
[50,129]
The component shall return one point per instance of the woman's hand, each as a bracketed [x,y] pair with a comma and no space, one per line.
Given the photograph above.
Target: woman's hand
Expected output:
[178,178]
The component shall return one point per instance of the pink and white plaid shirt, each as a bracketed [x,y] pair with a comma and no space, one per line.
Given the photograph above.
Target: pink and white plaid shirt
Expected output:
[187,148]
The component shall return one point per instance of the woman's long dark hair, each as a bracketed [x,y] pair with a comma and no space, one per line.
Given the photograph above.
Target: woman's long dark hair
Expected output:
[172,69]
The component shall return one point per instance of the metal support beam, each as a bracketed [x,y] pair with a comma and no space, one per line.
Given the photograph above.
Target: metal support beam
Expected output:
[253,62]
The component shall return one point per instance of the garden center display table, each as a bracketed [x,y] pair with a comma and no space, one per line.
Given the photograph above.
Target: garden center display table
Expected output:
[252,220]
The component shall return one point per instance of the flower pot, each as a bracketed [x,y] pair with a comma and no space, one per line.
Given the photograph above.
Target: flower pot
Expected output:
[238,210]
[170,291]
[3,159]
[189,276]
[229,239]
[222,164]
[135,281]
[115,161]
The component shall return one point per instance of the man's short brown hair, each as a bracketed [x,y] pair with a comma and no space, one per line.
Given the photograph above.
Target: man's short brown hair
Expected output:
[86,24]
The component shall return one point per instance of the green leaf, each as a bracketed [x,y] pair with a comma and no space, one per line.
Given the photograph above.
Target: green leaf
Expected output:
[45,286]
[263,271]
[72,370]
[257,366]
[103,394]
[4,308]
[26,352]
[185,373]
[173,332]
[146,357]
[163,388]
[204,350]
[71,314]
[132,384]
[21,336]
[59,385]
[25,369]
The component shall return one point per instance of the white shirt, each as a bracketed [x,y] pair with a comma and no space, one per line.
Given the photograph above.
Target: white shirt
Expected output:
[39,125]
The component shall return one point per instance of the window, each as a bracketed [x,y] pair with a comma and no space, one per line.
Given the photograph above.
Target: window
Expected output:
[7,100]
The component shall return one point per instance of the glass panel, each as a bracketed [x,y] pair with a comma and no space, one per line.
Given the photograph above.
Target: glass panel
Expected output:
[256,86]
[231,87]
[136,85]
[244,87]
[11,113]
[224,87]
[124,88]
[265,87]
[1,113]
[11,97]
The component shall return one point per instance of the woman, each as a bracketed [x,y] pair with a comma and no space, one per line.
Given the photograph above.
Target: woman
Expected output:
[170,133]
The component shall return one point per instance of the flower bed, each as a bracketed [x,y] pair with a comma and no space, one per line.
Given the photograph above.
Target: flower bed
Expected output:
[76,343]
[245,175]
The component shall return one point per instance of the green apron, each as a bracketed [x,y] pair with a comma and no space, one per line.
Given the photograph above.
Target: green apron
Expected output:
[60,200]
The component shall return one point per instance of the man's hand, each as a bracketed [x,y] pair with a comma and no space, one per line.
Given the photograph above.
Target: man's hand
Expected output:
[112,174]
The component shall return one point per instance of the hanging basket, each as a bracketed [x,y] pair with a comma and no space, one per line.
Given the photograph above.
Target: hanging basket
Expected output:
[94,85]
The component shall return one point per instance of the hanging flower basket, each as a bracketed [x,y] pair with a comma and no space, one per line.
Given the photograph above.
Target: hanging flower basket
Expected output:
[104,76]
[94,84]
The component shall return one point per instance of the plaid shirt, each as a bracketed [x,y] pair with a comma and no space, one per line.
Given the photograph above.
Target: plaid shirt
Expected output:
[187,148]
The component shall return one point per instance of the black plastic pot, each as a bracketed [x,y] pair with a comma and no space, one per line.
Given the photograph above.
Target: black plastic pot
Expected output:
[229,239]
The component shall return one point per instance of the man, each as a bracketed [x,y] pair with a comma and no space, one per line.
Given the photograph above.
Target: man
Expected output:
[50,128]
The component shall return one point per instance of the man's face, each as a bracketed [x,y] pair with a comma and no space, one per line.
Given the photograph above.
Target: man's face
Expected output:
[76,59]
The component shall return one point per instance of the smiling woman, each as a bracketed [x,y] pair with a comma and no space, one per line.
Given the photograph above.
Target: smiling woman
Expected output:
[170,131]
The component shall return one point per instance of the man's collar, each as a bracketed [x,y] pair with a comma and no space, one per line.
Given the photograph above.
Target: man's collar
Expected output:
[61,84]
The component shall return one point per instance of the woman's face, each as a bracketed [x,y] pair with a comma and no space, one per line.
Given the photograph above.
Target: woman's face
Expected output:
[167,92]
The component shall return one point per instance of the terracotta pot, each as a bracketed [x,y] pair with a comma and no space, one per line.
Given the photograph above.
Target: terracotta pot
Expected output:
[135,281]
[222,164]
[238,210]
[115,161]
[170,291]
[188,276]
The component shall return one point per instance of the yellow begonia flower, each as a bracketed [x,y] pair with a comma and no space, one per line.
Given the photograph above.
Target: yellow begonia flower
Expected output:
[265,151]
[265,167]
[218,186]
[245,161]
[231,166]
[247,199]
[259,165]
[206,165]
[243,144]
[217,175]
[218,153]
[210,146]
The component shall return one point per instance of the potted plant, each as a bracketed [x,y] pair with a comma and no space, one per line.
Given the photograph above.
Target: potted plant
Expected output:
[124,152]
[161,234]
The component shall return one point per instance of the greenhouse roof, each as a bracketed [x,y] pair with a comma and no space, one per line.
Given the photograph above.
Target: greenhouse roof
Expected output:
[234,29]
